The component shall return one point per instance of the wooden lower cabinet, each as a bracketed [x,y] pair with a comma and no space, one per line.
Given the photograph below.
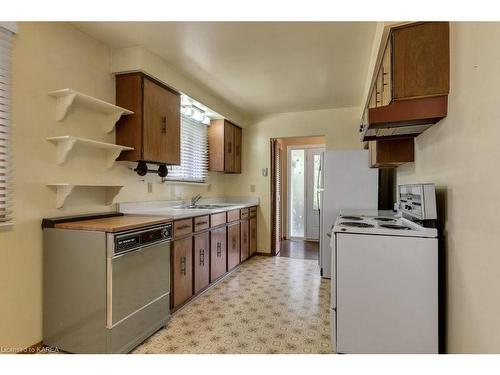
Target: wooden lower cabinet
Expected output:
[201,264]
[218,253]
[253,235]
[233,246]
[182,270]
[245,239]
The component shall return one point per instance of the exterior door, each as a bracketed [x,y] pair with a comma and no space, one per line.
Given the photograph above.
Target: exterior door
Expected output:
[304,183]
[313,196]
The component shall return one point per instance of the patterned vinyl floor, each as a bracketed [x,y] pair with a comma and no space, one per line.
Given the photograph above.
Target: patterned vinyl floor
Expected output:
[268,305]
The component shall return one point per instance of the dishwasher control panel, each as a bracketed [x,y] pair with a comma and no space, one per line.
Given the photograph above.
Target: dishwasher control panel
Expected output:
[125,242]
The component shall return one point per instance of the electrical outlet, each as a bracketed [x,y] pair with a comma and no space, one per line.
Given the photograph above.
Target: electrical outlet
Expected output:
[252,188]
[150,187]
[264,172]
[209,187]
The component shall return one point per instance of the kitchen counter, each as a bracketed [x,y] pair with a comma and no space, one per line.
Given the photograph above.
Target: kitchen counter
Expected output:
[114,224]
[168,208]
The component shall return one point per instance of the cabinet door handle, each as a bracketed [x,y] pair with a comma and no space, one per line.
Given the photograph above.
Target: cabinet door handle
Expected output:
[164,124]
[245,238]
[183,265]
[237,150]
[229,147]
[219,249]
[234,243]
[202,257]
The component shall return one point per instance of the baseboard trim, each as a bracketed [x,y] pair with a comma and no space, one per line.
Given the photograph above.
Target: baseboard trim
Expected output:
[33,349]
[263,254]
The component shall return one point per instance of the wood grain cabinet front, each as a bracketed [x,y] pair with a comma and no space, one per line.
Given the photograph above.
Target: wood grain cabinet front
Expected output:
[225,146]
[218,253]
[154,128]
[391,153]
[233,246]
[253,235]
[245,239]
[182,271]
[201,256]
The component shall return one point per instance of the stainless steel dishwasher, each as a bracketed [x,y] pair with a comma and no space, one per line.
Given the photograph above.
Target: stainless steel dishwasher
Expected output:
[105,292]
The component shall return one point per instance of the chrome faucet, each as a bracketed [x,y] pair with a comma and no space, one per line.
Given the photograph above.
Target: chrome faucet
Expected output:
[195,199]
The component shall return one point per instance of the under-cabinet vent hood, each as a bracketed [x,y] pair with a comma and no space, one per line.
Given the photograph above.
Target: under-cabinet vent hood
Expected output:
[403,118]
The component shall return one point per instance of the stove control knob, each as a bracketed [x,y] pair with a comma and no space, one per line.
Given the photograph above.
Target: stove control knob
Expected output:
[164,232]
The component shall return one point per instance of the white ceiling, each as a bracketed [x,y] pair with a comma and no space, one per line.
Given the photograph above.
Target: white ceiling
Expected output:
[259,67]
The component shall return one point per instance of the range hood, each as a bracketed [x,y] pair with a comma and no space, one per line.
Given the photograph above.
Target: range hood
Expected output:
[403,118]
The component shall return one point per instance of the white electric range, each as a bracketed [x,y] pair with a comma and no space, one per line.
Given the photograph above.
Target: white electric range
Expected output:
[384,292]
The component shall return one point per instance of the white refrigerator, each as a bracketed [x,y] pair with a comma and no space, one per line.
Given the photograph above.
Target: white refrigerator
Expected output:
[348,183]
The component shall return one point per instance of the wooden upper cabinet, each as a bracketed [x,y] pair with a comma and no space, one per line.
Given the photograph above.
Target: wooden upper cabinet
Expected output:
[421,60]
[391,153]
[154,128]
[228,147]
[386,75]
[237,149]
[224,145]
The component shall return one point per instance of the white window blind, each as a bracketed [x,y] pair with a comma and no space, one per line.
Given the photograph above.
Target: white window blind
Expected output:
[194,152]
[5,188]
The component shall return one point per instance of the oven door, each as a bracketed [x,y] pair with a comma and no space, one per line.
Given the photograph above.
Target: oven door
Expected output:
[137,279]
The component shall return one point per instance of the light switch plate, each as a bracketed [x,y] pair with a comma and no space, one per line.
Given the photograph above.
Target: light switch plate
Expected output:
[252,188]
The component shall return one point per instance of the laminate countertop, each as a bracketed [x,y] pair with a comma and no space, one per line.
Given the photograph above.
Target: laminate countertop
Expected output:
[114,224]
[177,211]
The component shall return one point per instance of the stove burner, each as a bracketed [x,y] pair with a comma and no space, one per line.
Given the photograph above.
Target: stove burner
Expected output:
[352,217]
[383,219]
[395,226]
[356,224]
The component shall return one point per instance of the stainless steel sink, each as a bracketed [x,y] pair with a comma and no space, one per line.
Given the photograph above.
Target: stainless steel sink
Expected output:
[204,206]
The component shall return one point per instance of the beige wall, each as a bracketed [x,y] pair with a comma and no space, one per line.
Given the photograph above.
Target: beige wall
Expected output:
[339,126]
[50,56]
[461,155]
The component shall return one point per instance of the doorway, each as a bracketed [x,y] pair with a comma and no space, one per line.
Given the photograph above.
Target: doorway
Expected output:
[304,173]
[296,164]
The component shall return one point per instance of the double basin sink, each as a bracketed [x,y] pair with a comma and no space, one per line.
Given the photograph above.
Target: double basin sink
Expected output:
[204,206]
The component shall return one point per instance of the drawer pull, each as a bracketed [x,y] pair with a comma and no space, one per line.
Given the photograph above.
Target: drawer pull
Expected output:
[183,265]
[219,249]
[185,226]
[202,257]
[201,223]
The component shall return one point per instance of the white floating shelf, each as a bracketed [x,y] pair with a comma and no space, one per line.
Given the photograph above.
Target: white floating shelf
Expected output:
[66,143]
[64,190]
[68,97]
